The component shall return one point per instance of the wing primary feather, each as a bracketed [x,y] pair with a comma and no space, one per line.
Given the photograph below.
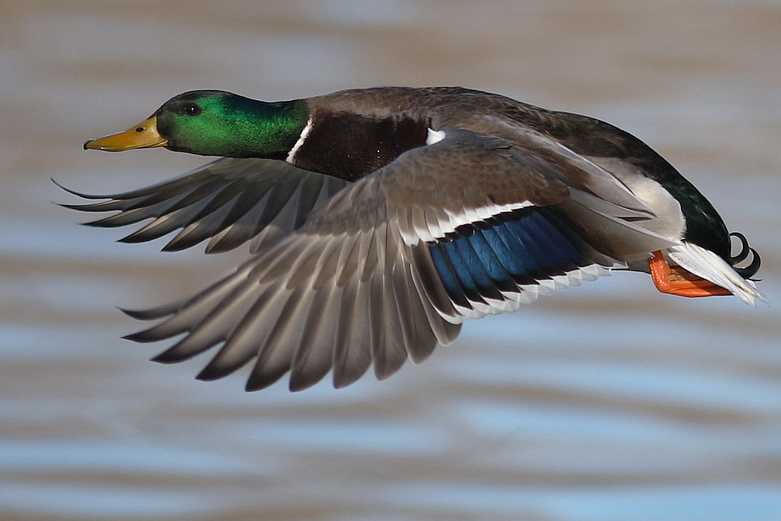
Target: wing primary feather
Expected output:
[194,196]
[354,352]
[267,322]
[214,322]
[156,312]
[235,354]
[109,205]
[386,360]
[318,335]
[246,340]
[155,229]
[231,192]
[388,243]
[314,356]
[126,217]
[351,354]
[188,310]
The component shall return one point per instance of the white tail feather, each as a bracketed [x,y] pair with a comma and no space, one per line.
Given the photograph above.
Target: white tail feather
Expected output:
[706,264]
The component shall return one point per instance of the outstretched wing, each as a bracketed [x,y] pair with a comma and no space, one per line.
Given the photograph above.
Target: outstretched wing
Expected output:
[229,201]
[395,262]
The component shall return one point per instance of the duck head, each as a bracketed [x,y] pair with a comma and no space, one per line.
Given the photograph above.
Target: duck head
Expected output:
[215,123]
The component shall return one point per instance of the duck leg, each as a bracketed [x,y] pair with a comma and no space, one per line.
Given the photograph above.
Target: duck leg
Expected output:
[677,281]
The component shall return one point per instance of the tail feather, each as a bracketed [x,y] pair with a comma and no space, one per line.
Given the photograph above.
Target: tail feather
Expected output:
[706,264]
[745,252]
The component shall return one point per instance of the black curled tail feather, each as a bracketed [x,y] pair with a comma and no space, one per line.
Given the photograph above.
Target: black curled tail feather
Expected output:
[745,252]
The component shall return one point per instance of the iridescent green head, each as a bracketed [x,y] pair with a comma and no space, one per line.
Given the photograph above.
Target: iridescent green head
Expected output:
[215,123]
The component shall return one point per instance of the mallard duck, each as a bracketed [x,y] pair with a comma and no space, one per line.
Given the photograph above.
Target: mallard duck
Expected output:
[381,219]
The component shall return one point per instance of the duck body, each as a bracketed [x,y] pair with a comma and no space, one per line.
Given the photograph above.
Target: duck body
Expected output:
[380,219]
[353,133]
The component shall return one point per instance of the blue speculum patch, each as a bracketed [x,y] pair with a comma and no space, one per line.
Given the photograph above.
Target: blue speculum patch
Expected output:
[483,259]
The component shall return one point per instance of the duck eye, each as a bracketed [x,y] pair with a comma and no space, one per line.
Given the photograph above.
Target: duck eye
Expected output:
[191,109]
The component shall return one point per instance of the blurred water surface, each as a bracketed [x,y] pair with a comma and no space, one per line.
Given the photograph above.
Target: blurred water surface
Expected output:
[609,402]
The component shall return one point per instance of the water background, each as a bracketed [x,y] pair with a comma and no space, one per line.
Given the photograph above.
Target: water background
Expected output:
[609,402]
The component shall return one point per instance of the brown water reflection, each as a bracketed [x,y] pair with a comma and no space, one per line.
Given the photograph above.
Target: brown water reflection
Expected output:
[608,402]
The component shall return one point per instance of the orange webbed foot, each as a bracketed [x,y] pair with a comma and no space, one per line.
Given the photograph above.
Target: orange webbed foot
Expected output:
[677,281]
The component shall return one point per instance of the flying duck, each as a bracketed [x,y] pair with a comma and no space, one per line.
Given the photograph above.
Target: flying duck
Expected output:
[380,219]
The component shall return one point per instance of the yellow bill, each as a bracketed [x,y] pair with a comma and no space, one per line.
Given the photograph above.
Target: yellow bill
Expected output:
[143,135]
